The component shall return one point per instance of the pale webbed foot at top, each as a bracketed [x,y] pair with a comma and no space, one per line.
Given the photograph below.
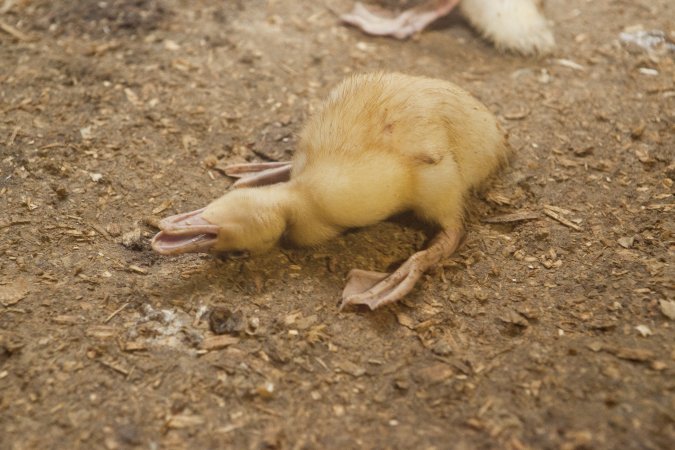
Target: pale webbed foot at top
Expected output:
[376,289]
[514,25]
[259,174]
[402,26]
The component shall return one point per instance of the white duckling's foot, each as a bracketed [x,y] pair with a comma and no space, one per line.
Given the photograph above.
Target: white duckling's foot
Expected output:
[259,174]
[404,25]
[515,25]
[376,289]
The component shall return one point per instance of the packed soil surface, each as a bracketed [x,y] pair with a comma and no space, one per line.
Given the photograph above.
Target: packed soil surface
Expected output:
[551,327]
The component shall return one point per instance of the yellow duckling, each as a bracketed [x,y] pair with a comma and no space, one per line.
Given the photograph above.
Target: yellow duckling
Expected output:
[381,144]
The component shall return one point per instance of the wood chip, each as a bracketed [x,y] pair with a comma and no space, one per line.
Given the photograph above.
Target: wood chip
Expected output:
[101,332]
[630,354]
[10,342]
[583,151]
[7,6]
[349,367]
[20,35]
[65,319]
[519,216]
[595,346]
[134,268]
[518,113]
[218,342]
[12,137]
[132,97]
[133,346]
[436,373]
[265,390]
[555,216]
[405,320]
[644,330]
[668,308]
[510,316]
[152,221]
[100,230]
[114,313]
[626,242]
[569,64]
[166,204]
[306,322]
[14,292]
[567,163]
[498,198]
[115,365]
[558,209]
[180,421]
[12,223]
[642,154]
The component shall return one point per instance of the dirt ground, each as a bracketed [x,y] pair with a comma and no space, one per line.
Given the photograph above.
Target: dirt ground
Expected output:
[551,332]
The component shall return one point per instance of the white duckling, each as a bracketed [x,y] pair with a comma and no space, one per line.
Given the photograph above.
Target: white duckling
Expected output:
[516,25]
[381,144]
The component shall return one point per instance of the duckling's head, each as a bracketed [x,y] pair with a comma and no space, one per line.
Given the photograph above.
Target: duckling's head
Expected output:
[243,220]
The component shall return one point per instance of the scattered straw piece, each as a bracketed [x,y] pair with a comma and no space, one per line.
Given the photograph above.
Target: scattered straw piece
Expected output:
[20,35]
[555,216]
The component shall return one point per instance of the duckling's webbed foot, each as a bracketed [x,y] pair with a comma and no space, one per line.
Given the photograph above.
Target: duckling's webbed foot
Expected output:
[376,289]
[402,26]
[259,174]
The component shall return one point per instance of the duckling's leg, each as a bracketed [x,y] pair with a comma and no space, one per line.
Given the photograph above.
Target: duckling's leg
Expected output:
[376,289]
[259,174]
[404,25]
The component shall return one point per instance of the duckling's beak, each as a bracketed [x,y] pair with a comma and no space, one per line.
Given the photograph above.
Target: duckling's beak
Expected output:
[185,233]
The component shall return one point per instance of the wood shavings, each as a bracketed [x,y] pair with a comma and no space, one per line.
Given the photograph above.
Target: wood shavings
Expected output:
[7,6]
[116,312]
[14,292]
[101,332]
[136,269]
[626,242]
[569,64]
[13,223]
[67,319]
[19,35]
[668,308]
[405,320]
[555,216]
[511,316]
[349,367]
[518,113]
[644,330]
[218,342]
[166,204]
[184,420]
[434,374]
[519,216]
[627,353]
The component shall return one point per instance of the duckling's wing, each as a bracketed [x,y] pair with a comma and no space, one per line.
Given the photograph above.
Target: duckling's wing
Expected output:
[402,26]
